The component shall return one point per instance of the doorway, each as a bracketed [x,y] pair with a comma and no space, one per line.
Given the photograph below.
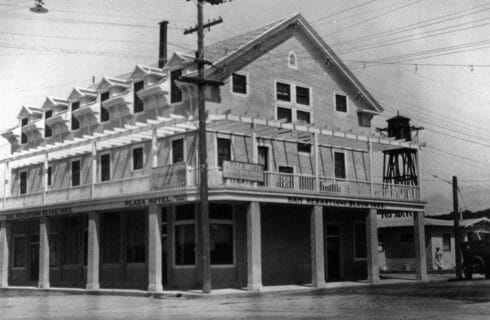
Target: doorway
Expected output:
[34,258]
[164,246]
[333,253]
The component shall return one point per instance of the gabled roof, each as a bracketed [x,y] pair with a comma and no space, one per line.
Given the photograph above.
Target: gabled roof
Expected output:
[29,110]
[53,101]
[148,71]
[82,92]
[222,52]
[113,82]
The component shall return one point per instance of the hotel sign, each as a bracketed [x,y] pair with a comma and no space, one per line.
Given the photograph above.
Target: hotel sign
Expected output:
[334,203]
[38,213]
[147,201]
[243,171]
[168,177]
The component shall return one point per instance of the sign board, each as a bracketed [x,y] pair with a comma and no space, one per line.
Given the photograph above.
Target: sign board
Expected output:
[243,171]
[168,177]
[38,213]
[334,203]
[142,202]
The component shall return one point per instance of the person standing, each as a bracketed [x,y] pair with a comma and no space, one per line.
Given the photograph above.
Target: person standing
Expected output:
[438,259]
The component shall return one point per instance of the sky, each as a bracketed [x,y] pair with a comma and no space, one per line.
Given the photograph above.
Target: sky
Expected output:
[427,59]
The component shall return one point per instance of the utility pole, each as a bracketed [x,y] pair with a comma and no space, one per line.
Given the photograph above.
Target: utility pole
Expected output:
[203,219]
[457,238]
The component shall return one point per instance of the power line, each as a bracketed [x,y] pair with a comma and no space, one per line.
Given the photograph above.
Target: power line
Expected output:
[343,11]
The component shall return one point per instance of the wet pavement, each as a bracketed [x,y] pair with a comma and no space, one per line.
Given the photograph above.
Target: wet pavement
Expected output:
[436,300]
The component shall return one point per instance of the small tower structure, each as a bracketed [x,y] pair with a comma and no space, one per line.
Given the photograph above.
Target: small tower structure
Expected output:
[400,165]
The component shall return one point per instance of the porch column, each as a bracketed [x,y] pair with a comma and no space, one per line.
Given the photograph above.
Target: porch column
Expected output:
[4,254]
[154,249]
[317,253]
[154,148]
[94,169]
[43,253]
[93,251]
[419,233]
[372,246]
[370,153]
[316,150]
[45,176]
[254,250]
[6,184]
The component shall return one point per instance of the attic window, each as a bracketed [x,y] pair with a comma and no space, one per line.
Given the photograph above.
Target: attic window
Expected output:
[48,114]
[47,131]
[75,105]
[75,124]
[104,113]
[24,122]
[292,61]
[138,103]
[340,102]
[23,138]
[175,92]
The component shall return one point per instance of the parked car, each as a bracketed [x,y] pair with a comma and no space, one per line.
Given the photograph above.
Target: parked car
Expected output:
[476,258]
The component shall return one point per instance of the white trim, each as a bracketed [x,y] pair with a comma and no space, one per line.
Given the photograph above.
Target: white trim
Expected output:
[99,162]
[71,171]
[184,144]
[137,146]
[347,103]
[345,164]
[291,66]
[247,84]
[354,223]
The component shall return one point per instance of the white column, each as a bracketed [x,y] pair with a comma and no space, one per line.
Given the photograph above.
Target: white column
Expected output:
[4,254]
[43,253]
[154,249]
[93,251]
[94,169]
[254,250]
[420,257]
[372,246]
[419,176]
[45,176]
[255,151]
[317,251]
[154,148]
[371,180]
[6,184]
[316,150]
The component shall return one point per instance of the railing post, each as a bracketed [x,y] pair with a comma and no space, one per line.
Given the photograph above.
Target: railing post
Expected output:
[316,150]
[255,157]
[45,177]
[94,169]
[370,152]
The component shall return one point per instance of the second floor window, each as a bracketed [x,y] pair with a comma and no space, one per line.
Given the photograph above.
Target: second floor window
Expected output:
[284,114]
[178,151]
[75,173]
[303,116]
[47,131]
[75,124]
[105,167]
[340,103]
[339,165]
[224,151]
[283,91]
[239,83]
[104,113]
[23,138]
[23,182]
[138,158]
[50,176]
[303,95]
[175,92]
[138,103]
[24,122]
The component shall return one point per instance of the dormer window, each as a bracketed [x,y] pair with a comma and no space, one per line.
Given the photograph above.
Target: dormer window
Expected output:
[75,123]
[104,113]
[23,138]
[175,92]
[24,122]
[48,114]
[138,103]
[47,131]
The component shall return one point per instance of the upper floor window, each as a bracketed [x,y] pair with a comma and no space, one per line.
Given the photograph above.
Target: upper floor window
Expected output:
[283,91]
[284,114]
[339,159]
[75,123]
[105,167]
[303,95]
[177,150]
[48,114]
[75,105]
[303,116]
[224,151]
[340,102]
[304,147]
[24,122]
[104,113]
[138,161]
[50,176]
[75,173]
[138,103]
[23,182]
[23,138]
[263,157]
[175,92]
[47,131]
[292,61]
[239,83]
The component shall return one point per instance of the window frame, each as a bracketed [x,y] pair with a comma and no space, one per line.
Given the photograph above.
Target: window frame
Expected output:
[291,93]
[295,65]
[101,154]
[230,139]
[172,149]
[177,223]
[284,107]
[269,154]
[354,242]
[103,108]
[247,86]
[15,236]
[22,135]
[172,102]
[138,146]
[79,172]
[49,176]
[136,98]
[20,181]
[347,107]
[335,165]
[233,228]
[300,152]
[296,95]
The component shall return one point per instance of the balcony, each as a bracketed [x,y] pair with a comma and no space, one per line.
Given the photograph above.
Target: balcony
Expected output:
[181,176]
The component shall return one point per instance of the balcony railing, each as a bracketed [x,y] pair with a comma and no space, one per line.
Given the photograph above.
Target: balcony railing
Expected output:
[181,175]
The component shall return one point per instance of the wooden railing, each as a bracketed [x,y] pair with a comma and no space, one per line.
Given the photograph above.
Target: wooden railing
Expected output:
[181,175]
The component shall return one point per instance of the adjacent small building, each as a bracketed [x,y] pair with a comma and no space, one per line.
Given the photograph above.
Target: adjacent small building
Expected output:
[102,187]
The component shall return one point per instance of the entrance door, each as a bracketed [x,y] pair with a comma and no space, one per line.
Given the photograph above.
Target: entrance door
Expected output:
[164,246]
[333,252]
[34,258]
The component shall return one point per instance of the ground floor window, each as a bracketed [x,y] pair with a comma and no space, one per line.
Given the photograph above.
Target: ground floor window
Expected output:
[185,236]
[135,227]
[446,242]
[360,244]
[71,240]
[221,234]
[19,251]
[111,241]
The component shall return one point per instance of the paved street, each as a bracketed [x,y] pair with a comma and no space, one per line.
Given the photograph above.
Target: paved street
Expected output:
[441,300]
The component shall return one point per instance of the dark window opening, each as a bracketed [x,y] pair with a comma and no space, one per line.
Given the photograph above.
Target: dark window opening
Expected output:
[24,122]
[303,117]
[407,237]
[219,211]
[303,95]
[75,124]
[185,235]
[47,131]
[339,165]
[19,252]
[304,147]
[239,83]
[446,242]
[75,105]
[284,114]
[135,230]
[224,151]
[111,243]
[72,228]
[23,138]
[360,243]
[48,114]
[138,158]
[105,167]
[53,250]
[50,176]
[138,103]
[221,243]
[184,212]
[178,151]
[23,182]
[75,173]
[104,113]
[263,157]
[175,92]
[340,103]
[283,91]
